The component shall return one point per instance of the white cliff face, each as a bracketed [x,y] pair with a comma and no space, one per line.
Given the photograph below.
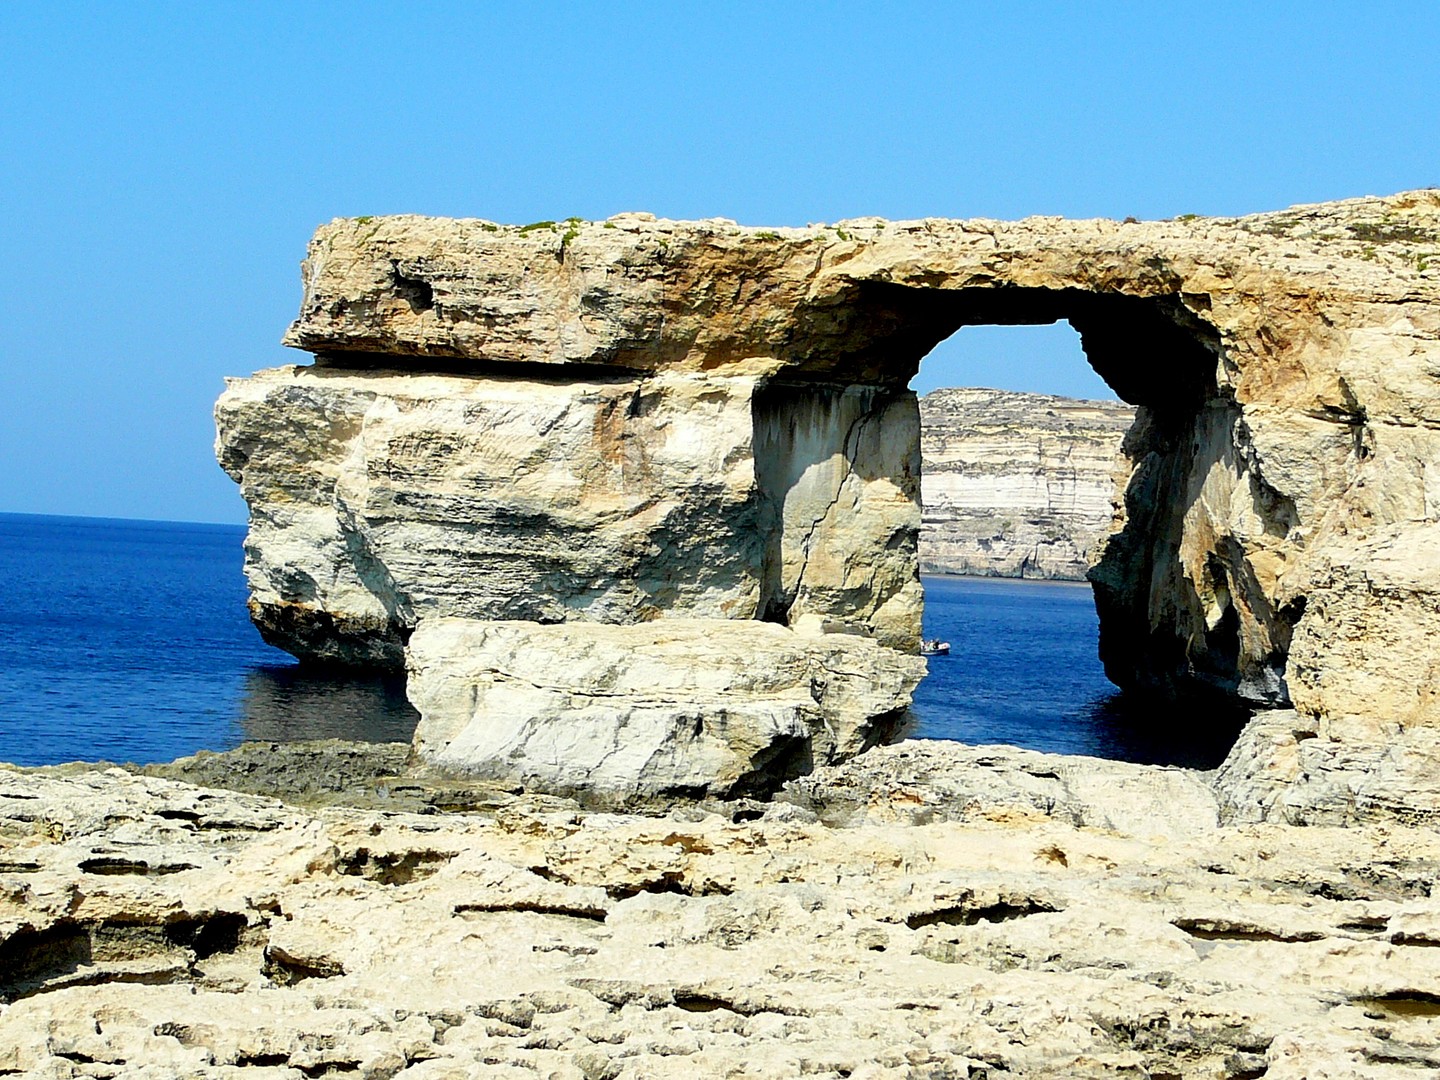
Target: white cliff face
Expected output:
[666,514]
[381,498]
[1017,485]
[839,470]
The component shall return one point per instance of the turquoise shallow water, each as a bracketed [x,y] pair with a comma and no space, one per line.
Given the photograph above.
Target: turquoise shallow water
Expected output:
[130,641]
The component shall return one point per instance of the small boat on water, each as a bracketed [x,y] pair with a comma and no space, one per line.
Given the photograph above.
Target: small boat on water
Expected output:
[934,647]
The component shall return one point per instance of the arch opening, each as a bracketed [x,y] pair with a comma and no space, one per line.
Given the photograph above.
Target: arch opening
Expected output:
[1187,635]
[1018,485]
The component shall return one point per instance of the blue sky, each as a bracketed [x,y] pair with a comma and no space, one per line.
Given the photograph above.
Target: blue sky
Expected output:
[164,164]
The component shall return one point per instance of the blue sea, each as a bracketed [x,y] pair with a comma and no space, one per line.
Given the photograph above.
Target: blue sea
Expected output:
[1024,669]
[130,641]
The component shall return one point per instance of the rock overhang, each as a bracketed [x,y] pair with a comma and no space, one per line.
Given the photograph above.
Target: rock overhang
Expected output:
[642,293]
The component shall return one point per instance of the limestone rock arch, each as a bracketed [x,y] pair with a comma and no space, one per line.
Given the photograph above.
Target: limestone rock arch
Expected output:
[633,421]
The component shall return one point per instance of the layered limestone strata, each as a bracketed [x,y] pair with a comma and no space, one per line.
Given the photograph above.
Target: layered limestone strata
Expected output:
[1017,485]
[987,912]
[380,497]
[1285,368]
[689,707]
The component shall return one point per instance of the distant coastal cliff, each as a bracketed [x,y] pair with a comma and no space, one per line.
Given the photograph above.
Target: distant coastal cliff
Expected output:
[1016,485]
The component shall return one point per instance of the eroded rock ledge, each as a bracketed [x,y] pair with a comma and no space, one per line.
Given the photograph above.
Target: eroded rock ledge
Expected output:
[1064,919]
[633,421]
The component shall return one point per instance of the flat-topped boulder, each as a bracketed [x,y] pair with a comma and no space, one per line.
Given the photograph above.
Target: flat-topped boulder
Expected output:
[690,707]
[636,420]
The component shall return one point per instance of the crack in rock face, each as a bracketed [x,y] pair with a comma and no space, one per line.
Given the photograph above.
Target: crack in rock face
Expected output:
[632,423]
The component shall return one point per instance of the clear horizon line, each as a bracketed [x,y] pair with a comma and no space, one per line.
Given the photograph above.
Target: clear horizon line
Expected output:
[112,517]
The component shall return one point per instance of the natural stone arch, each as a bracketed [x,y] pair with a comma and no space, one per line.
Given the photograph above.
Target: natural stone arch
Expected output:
[1224,633]
[1283,461]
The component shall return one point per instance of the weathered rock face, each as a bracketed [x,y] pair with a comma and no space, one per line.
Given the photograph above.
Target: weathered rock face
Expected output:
[378,498]
[1286,370]
[988,912]
[672,707]
[381,498]
[1017,485]
[1290,767]
[383,501]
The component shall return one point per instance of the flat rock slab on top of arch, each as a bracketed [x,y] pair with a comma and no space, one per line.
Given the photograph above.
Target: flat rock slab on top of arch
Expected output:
[1283,483]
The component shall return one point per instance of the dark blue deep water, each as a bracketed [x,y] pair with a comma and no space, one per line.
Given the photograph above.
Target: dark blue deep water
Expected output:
[1024,669]
[130,641]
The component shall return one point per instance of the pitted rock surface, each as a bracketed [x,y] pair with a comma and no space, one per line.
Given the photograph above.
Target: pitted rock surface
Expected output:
[150,928]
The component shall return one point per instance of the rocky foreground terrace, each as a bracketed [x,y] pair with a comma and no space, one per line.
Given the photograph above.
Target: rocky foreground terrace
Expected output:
[635,504]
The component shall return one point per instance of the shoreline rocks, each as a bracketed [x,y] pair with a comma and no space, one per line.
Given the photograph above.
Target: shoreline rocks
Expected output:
[1045,925]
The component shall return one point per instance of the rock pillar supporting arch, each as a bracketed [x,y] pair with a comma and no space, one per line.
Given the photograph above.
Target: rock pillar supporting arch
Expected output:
[1181,609]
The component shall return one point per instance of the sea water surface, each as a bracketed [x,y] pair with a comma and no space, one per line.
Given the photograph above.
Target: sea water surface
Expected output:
[1024,669]
[130,641]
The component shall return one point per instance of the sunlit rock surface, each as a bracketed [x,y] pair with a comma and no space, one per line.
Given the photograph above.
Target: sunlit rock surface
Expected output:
[381,497]
[1047,926]
[616,422]
[672,707]
[1017,485]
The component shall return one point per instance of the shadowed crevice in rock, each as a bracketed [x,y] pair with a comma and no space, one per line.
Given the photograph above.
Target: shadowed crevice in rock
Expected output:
[140,948]
[112,865]
[284,969]
[1212,929]
[30,956]
[392,868]
[349,365]
[970,914]
[415,291]
[586,912]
